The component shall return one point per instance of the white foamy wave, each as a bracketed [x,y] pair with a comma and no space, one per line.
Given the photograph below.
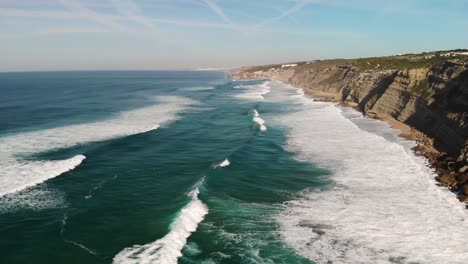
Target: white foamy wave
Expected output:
[253,92]
[383,206]
[199,88]
[169,248]
[17,173]
[37,199]
[224,163]
[257,119]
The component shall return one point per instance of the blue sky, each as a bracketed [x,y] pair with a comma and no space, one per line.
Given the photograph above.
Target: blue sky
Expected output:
[184,34]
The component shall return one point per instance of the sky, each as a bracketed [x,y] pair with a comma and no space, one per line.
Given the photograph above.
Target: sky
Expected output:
[41,35]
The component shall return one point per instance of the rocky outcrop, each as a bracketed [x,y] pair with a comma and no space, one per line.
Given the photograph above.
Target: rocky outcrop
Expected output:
[431,98]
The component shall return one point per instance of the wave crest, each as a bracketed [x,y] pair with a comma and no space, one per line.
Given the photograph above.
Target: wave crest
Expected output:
[260,121]
[169,248]
[18,174]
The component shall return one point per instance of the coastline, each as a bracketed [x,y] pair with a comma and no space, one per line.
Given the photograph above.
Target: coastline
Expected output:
[406,131]
[437,160]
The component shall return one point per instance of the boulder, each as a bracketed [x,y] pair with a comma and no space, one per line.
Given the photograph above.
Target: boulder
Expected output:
[464,189]
[447,179]
[463,169]
[463,198]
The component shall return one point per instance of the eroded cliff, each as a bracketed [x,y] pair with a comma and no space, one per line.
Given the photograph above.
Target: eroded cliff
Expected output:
[428,92]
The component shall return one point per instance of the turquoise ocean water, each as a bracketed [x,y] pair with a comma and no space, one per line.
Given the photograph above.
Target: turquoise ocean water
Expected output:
[133,186]
[194,167]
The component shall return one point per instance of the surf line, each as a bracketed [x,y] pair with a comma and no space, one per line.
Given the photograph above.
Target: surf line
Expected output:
[169,248]
[257,119]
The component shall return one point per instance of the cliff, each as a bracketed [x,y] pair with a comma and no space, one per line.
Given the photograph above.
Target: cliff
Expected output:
[427,92]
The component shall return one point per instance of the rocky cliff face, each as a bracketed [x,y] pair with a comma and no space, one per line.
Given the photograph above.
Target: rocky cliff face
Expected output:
[430,98]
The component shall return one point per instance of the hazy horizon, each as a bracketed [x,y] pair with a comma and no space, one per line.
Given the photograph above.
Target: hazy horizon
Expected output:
[54,35]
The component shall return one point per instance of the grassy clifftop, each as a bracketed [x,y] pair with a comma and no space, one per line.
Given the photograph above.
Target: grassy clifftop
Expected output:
[398,62]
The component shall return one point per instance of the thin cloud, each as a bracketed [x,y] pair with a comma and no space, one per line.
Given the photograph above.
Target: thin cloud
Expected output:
[130,10]
[107,22]
[221,13]
[286,13]
[78,8]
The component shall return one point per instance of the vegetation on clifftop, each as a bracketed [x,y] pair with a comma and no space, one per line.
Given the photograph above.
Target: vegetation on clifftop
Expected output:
[399,62]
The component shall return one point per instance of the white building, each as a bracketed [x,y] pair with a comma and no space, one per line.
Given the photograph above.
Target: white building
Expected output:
[288,65]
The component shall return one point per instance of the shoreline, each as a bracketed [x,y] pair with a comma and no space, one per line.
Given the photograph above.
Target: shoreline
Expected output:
[439,162]
[405,130]
[444,177]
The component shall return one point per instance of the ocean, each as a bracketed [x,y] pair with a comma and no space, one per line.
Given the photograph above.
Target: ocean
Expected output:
[195,167]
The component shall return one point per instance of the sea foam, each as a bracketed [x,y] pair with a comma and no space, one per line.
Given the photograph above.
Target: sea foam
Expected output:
[169,248]
[17,173]
[383,205]
[199,88]
[253,92]
[257,119]
[224,163]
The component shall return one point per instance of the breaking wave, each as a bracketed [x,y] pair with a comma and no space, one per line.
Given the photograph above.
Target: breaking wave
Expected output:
[169,248]
[224,163]
[18,173]
[257,119]
[253,92]
[199,88]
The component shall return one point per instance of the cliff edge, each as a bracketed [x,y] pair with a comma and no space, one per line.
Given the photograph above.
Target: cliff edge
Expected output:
[427,93]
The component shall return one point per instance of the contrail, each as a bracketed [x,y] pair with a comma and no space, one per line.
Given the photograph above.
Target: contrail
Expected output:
[296,8]
[86,12]
[221,13]
[130,10]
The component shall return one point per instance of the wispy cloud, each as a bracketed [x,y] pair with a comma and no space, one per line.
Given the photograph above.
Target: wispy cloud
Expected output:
[132,12]
[286,13]
[221,13]
[124,15]
[87,13]
[127,11]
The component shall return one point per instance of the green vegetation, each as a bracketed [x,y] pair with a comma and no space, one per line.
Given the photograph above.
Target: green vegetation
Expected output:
[400,62]
[397,62]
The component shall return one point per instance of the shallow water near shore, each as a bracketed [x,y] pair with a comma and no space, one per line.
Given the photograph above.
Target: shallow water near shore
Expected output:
[193,167]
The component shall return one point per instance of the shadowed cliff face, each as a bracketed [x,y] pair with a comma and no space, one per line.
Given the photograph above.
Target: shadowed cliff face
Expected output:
[432,98]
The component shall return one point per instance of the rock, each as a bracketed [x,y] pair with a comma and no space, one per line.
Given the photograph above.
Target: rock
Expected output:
[464,190]
[447,180]
[461,178]
[463,169]
[463,198]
